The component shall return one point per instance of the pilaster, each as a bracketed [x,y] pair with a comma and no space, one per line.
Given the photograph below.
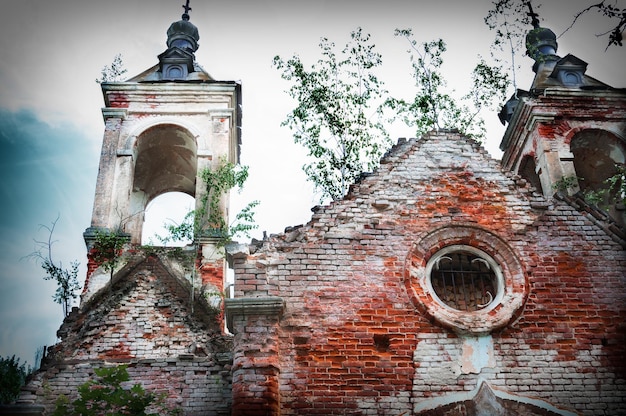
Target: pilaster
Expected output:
[256,364]
[106,170]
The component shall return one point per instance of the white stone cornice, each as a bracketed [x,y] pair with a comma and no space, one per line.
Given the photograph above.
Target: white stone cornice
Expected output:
[269,305]
[111,112]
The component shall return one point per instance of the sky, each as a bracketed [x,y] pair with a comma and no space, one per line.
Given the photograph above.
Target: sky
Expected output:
[51,123]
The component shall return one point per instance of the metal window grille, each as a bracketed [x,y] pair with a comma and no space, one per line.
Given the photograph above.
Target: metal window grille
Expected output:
[463,281]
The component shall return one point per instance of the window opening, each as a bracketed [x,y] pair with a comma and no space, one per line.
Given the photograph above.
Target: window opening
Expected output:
[464,281]
[166,209]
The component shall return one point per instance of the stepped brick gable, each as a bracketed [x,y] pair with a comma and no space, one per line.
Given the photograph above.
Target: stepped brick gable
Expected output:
[353,329]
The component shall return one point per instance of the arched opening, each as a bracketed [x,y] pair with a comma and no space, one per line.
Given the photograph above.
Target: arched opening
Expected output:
[597,155]
[528,171]
[167,209]
[166,161]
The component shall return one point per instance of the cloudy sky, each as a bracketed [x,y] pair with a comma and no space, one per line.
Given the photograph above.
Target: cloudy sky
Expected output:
[51,125]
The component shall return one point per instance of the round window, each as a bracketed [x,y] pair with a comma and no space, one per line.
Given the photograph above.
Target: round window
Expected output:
[464,278]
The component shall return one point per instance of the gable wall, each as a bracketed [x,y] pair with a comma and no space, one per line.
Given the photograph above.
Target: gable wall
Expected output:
[144,321]
[354,338]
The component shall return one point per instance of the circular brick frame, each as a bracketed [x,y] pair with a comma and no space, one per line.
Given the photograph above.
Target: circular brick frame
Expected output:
[500,312]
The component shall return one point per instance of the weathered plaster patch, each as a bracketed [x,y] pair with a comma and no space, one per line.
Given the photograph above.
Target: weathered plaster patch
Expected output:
[476,354]
[210,252]
[99,279]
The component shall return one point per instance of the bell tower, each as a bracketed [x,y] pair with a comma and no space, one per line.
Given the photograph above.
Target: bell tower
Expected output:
[163,127]
[567,133]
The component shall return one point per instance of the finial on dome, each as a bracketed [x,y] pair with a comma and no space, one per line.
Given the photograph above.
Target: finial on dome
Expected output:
[541,42]
[534,16]
[183,33]
[187,10]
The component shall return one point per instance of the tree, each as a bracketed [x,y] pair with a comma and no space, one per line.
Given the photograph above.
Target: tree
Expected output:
[432,107]
[107,396]
[511,21]
[66,279]
[208,219]
[113,72]
[12,378]
[337,117]
[615,14]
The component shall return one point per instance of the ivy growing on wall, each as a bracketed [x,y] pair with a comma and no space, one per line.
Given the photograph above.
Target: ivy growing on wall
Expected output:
[613,190]
[108,248]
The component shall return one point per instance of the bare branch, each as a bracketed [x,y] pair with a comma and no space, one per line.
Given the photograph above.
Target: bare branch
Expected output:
[578,15]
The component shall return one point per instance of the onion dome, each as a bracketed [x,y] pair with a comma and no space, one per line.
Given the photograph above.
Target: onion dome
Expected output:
[540,43]
[183,34]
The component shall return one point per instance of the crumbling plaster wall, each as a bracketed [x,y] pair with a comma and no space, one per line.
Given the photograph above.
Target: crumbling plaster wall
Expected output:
[353,339]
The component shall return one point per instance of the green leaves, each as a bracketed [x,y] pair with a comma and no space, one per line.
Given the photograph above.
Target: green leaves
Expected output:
[244,221]
[108,396]
[66,279]
[612,191]
[67,282]
[433,107]
[337,116]
[340,103]
[12,378]
[208,219]
[108,248]
[113,72]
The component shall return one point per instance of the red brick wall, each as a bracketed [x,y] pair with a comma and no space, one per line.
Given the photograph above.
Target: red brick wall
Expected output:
[351,339]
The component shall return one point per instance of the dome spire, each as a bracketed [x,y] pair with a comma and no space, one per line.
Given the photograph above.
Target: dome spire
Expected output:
[183,33]
[178,61]
[534,16]
[541,42]
[187,10]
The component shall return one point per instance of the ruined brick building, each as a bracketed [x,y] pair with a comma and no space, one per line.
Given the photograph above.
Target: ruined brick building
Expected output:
[444,283]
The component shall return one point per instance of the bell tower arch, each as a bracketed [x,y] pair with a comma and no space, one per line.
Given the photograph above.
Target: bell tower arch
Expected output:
[162,129]
[165,160]
[566,133]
